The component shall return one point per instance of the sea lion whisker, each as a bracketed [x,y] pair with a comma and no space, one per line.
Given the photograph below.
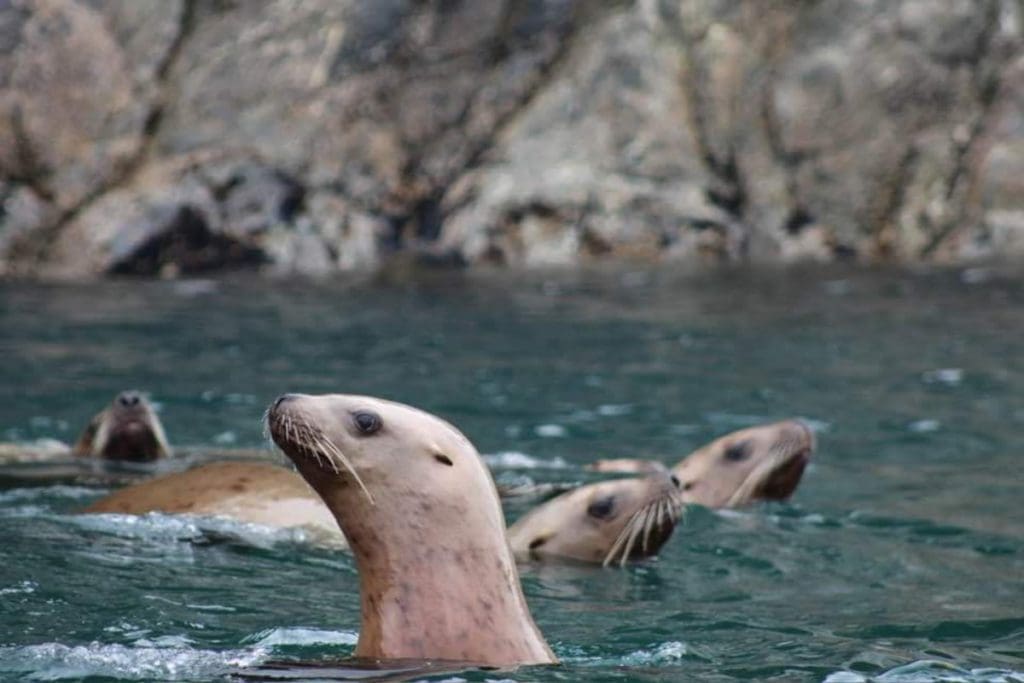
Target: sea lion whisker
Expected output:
[637,529]
[334,453]
[619,541]
[321,447]
[664,512]
[265,423]
[752,480]
[650,521]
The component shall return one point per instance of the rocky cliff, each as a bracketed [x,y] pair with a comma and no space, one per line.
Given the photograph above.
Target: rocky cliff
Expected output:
[180,136]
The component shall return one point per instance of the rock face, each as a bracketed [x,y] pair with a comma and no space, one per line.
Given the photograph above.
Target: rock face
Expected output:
[179,136]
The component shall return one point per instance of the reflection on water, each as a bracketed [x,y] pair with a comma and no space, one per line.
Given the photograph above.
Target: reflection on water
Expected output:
[902,552]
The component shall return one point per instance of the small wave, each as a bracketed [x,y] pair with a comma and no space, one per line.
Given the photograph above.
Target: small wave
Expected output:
[671,651]
[930,671]
[551,431]
[667,653]
[299,636]
[948,376]
[614,409]
[49,492]
[23,587]
[517,460]
[55,662]
[924,426]
[156,526]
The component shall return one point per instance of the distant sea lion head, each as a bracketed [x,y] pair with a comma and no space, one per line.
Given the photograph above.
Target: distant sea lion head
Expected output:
[607,522]
[760,463]
[128,429]
[422,516]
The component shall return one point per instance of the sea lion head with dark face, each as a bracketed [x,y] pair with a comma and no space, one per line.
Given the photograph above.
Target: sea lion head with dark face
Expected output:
[611,521]
[128,429]
[759,463]
[421,513]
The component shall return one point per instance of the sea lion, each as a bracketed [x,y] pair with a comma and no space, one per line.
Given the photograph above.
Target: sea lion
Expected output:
[259,493]
[765,462]
[128,429]
[437,579]
[619,520]
[627,466]
[760,463]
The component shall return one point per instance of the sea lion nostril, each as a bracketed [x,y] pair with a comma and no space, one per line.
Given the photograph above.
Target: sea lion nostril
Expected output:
[128,399]
[675,480]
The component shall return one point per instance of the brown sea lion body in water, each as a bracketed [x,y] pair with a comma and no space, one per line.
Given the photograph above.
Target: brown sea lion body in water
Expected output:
[127,430]
[437,579]
[258,493]
[610,521]
[765,462]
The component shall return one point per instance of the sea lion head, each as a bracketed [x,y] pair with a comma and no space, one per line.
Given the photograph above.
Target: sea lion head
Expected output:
[128,429]
[760,463]
[422,516]
[611,521]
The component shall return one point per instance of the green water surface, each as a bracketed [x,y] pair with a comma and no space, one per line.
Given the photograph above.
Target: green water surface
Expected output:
[901,557]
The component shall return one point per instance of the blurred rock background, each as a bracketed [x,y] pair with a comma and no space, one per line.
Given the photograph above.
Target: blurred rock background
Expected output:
[164,137]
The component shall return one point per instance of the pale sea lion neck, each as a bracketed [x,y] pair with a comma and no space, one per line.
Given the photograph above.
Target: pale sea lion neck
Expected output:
[437,579]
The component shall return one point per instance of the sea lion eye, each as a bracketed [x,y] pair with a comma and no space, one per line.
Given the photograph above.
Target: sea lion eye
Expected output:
[443,459]
[602,509]
[736,452]
[366,422]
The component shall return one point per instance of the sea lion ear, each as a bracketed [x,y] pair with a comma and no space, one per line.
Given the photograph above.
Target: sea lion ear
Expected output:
[439,455]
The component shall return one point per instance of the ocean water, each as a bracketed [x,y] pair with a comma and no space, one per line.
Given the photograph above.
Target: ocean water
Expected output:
[900,558]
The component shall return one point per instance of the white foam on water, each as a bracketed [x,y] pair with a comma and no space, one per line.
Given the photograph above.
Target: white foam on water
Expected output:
[152,526]
[949,376]
[23,587]
[930,671]
[56,662]
[551,431]
[156,526]
[671,651]
[924,426]
[518,460]
[614,409]
[301,636]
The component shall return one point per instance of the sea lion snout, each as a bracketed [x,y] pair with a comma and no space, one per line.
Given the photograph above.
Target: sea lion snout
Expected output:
[806,433]
[128,429]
